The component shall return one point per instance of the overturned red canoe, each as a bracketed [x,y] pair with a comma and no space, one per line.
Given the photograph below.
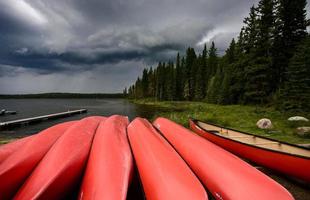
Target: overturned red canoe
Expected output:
[286,158]
[7,149]
[17,167]
[163,173]
[62,166]
[225,175]
[110,164]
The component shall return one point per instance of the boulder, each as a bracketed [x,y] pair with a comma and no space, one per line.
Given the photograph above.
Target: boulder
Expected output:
[303,131]
[298,118]
[264,124]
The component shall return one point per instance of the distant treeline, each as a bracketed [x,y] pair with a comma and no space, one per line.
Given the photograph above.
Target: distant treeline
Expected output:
[269,63]
[61,95]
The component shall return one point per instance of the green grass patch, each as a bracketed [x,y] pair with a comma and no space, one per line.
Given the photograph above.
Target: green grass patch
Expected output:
[5,141]
[238,117]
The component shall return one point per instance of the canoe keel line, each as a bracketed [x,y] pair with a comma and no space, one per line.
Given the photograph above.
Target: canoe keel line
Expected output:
[110,165]
[93,158]
[163,173]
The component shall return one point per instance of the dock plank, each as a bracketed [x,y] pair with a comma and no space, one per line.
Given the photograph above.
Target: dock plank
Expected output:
[40,118]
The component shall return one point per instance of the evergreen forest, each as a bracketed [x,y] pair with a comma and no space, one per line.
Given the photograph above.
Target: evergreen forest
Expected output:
[268,63]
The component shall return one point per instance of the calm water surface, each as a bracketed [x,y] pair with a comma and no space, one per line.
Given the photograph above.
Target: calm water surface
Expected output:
[36,107]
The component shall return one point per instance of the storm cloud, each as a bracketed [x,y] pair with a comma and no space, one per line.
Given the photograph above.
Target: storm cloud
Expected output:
[101,46]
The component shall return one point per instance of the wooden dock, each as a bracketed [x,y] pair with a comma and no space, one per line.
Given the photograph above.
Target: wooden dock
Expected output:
[26,121]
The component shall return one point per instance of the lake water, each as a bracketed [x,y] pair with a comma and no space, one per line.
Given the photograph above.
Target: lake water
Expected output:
[36,107]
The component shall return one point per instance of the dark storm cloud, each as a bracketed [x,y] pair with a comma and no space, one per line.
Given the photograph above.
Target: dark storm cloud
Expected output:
[110,40]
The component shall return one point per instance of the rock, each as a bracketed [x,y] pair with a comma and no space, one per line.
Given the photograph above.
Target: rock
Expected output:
[298,118]
[264,124]
[303,131]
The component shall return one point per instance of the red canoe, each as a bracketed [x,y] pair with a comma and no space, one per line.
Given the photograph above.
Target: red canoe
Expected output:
[110,164]
[62,166]
[7,149]
[283,157]
[17,167]
[163,173]
[225,175]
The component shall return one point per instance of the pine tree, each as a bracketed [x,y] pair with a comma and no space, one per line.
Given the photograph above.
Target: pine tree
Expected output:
[224,97]
[240,44]
[201,75]
[152,83]
[211,91]
[259,82]
[179,86]
[214,87]
[159,83]
[249,31]
[212,65]
[164,84]
[237,75]
[296,92]
[266,24]
[228,60]
[290,30]
[131,91]
[170,82]
[230,54]
[184,77]
[200,79]
[204,71]
[258,79]
[190,72]
[125,92]
[186,91]
[138,89]
[145,83]
[212,61]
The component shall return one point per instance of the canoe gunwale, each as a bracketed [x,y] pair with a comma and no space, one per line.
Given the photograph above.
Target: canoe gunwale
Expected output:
[250,134]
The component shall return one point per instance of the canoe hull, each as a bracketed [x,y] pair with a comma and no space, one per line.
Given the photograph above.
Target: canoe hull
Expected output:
[62,166]
[110,164]
[224,174]
[163,173]
[8,149]
[18,166]
[290,165]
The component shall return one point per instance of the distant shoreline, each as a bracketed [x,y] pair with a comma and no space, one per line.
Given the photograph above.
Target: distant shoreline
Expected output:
[62,95]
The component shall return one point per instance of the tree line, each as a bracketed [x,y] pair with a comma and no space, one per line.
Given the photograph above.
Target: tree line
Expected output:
[269,63]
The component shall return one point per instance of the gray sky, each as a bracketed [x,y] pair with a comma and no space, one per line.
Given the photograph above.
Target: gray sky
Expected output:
[103,45]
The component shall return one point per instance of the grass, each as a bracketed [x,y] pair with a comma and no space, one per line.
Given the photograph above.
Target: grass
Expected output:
[5,141]
[238,117]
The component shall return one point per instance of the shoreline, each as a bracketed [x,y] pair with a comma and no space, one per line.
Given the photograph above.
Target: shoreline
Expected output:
[240,117]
